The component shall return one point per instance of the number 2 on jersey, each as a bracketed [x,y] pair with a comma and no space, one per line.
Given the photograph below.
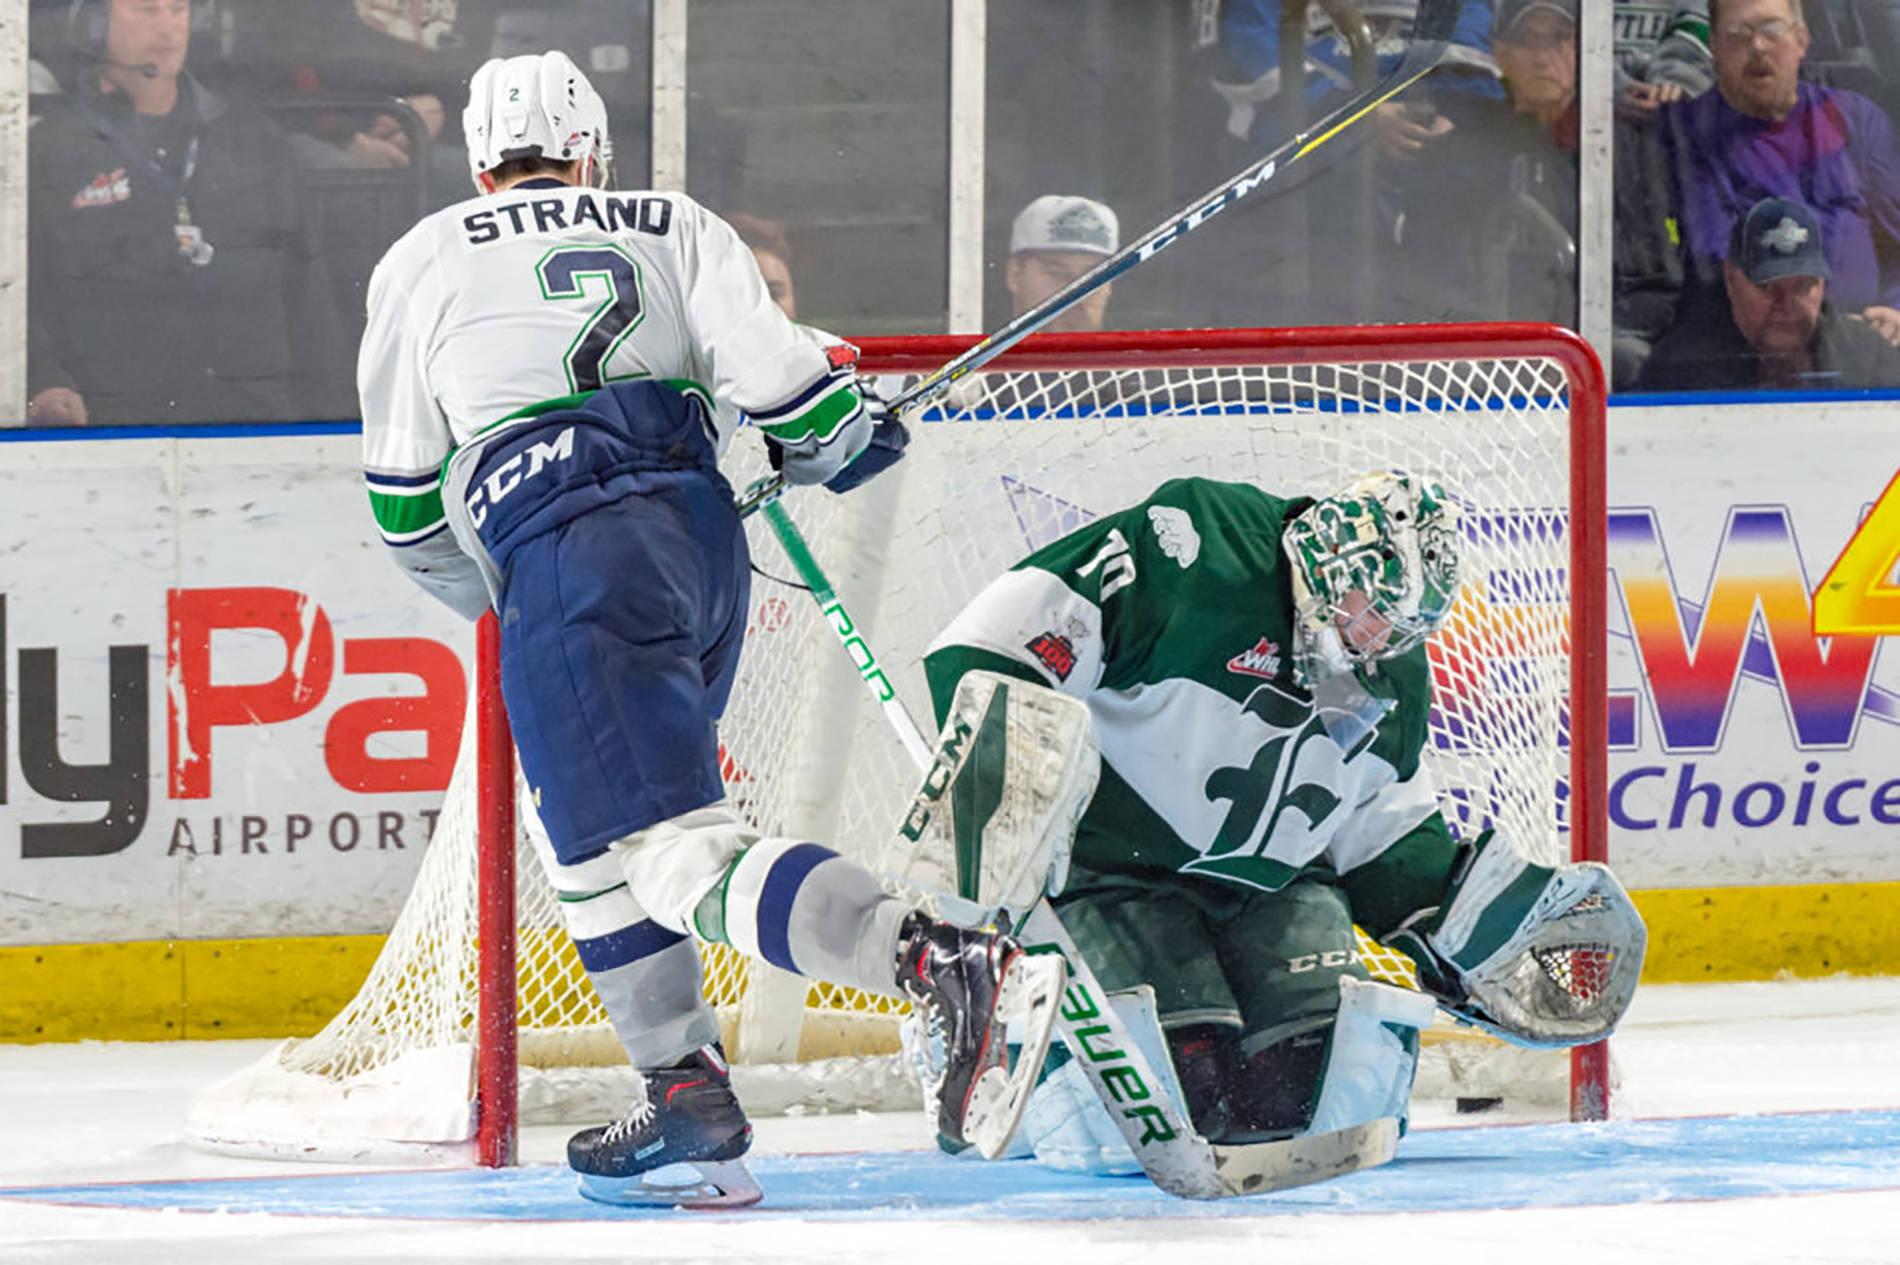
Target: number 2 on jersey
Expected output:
[584,272]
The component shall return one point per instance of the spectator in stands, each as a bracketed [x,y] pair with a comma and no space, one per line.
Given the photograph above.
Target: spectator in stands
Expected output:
[335,50]
[1662,53]
[422,52]
[1238,42]
[1487,217]
[1777,328]
[1054,240]
[385,142]
[172,277]
[774,254]
[1766,133]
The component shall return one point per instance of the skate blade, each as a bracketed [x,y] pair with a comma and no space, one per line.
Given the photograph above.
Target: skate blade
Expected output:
[1030,994]
[689,1184]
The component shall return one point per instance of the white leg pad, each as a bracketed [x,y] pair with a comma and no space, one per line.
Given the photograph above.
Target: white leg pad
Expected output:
[1371,1062]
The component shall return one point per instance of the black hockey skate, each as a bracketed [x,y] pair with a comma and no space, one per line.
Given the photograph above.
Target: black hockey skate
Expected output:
[677,1146]
[966,986]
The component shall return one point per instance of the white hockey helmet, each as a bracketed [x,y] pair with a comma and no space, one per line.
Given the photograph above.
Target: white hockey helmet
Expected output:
[1390,536]
[536,106]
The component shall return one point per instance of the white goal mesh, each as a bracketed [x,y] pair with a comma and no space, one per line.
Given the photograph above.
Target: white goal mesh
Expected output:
[1004,463]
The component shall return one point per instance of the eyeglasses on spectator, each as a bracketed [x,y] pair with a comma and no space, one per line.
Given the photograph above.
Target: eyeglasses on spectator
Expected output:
[1769,30]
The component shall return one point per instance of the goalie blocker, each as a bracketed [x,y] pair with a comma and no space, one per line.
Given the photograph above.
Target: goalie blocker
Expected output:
[993,822]
[986,836]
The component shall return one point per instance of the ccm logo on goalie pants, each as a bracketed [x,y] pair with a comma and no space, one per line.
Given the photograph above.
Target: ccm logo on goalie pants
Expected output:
[1332,960]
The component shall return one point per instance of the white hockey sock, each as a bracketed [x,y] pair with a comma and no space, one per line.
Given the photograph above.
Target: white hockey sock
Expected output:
[795,904]
[647,976]
[805,909]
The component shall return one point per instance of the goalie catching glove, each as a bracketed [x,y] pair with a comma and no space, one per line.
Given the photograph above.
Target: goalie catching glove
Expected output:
[1541,956]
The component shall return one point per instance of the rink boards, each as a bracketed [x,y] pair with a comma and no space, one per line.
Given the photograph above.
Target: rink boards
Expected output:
[1441,1170]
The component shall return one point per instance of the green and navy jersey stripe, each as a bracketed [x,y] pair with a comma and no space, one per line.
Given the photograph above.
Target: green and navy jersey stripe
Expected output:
[408,507]
[821,409]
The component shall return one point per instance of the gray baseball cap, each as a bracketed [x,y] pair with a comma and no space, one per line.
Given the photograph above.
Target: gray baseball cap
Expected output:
[1778,237]
[1058,221]
[1510,12]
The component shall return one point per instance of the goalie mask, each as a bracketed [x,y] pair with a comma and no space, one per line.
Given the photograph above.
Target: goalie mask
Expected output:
[1385,547]
[536,106]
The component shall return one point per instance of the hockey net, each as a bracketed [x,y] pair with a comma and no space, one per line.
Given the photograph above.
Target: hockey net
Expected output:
[1507,417]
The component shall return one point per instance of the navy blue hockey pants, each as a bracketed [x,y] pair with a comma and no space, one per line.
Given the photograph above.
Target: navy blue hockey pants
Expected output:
[625,583]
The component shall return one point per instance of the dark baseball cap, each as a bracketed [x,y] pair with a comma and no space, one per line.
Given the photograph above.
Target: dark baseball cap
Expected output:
[1779,237]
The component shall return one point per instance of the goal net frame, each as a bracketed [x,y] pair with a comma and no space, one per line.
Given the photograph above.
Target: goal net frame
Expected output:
[772,1008]
[1135,351]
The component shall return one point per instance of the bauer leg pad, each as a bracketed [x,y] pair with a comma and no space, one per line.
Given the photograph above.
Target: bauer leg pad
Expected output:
[1067,1127]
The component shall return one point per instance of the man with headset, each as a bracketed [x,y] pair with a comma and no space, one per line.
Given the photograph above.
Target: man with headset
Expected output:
[160,208]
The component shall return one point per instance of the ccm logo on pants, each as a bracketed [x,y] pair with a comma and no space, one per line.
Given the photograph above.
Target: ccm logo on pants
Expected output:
[507,476]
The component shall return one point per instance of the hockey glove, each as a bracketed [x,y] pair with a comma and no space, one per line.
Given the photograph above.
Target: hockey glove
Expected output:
[1542,956]
[809,457]
[888,437]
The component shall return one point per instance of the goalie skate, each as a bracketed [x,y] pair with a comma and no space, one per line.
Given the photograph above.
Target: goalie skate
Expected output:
[677,1146]
[966,986]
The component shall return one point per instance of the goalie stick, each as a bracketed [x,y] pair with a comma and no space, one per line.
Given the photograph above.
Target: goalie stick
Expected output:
[1174,1156]
[1431,33]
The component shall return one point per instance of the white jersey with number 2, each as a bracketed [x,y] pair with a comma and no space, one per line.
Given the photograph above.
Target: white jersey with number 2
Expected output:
[546,290]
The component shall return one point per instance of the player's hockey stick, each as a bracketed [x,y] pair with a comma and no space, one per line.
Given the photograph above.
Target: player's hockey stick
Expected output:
[1164,1142]
[1431,34]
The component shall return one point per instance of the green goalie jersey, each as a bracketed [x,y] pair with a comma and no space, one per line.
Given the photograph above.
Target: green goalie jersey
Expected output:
[1173,621]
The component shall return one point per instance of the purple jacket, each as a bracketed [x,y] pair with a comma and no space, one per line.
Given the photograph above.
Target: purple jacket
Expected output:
[1834,151]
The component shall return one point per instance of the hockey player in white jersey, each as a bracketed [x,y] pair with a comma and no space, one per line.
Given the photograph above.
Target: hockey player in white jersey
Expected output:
[548,374]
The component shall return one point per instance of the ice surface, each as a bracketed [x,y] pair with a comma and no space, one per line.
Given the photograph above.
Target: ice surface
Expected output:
[1655,1186]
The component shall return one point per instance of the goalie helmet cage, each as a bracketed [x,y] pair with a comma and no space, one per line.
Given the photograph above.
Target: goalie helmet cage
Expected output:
[1510,417]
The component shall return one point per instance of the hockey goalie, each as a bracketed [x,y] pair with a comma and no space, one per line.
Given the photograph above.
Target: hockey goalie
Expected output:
[1255,672]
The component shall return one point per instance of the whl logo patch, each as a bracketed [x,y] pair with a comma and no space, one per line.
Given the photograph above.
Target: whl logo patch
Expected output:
[1263,660]
[106,188]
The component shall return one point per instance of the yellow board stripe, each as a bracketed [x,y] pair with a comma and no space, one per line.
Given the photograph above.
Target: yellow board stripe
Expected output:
[156,990]
[1755,933]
